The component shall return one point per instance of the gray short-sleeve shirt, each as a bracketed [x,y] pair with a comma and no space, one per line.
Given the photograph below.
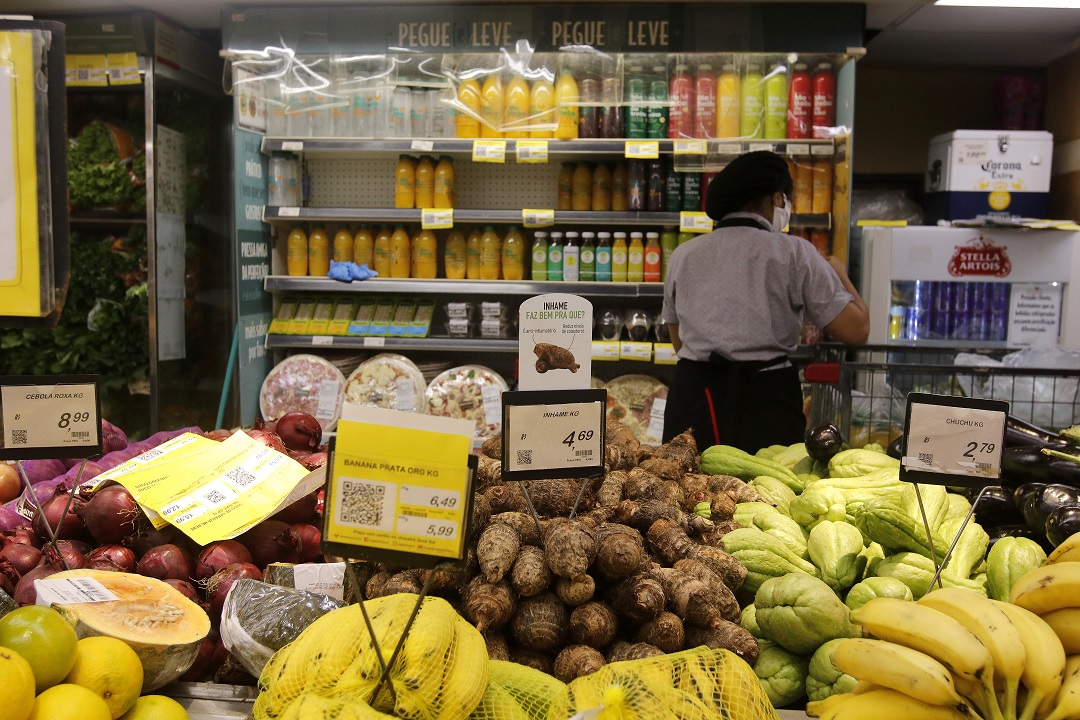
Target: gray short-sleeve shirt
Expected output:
[744,292]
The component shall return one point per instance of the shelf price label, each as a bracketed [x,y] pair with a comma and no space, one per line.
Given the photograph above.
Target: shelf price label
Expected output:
[489,151]
[642,149]
[759,147]
[640,351]
[694,221]
[821,150]
[728,149]
[664,354]
[292,146]
[124,69]
[57,416]
[532,151]
[287,211]
[422,145]
[537,218]
[553,433]
[86,70]
[953,440]
[436,219]
[690,147]
[605,349]
[795,149]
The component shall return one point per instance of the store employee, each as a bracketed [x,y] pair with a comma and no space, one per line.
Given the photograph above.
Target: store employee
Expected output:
[735,300]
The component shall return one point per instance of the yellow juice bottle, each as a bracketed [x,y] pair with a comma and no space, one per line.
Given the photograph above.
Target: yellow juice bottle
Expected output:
[405,183]
[490,254]
[581,189]
[542,109]
[455,255]
[728,105]
[445,190]
[513,254]
[635,258]
[472,254]
[491,107]
[382,252]
[425,182]
[565,199]
[296,254]
[343,245]
[467,111]
[601,188]
[619,179]
[516,112]
[618,258]
[318,253]
[364,247]
[400,253]
[424,259]
[566,109]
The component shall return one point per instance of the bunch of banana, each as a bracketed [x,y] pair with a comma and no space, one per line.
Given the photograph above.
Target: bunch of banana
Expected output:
[1053,592]
[954,654]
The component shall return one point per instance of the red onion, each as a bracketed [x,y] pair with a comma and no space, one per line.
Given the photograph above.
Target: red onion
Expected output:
[272,541]
[66,525]
[310,539]
[217,587]
[102,563]
[315,461]
[21,534]
[220,435]
[299,431]
[25,593]
[165,561]
[111,515]
[64,556]
[268,425]
[121,557]
[299,455]
[203,668]
[5,583]
[186,589]
[23,558]
[10,518]
[74,546]
[218,555]
[112,437]
[268,439]
[151,538]
[42,470]
[300,511]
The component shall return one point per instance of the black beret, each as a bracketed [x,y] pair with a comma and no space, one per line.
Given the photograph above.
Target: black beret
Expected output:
[745,179]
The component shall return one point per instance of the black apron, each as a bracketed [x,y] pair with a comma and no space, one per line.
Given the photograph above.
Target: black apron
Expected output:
[746,404]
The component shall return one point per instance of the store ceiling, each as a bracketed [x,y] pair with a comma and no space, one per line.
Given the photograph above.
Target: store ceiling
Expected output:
[901,33]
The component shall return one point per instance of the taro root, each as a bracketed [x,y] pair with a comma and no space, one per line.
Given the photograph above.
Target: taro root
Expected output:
[638,597]
[497,647]
[481,516]
[536,659]
[570,547]
[611,488]
[557,497]
[724,598]
[488,473]
[575,592]
[496,549]
[619,551]
[486,605]
[506,498]
[729,569]
[665,631]
[632,651]
[522,522]
[553,357]
[574,661]
[492,447]
[669,541]
[530,575]
[692,600]
[540,623]
[593,624]
[729,636]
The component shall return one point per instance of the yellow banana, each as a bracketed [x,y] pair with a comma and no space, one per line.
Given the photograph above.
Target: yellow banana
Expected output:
[993,628]
[1068,551]
[1044,667]
[1066,623]
[864,686]
[498,704]
[418,672]
[467,675]
[888,703]
[1047,588]
[898,667]
[1067,701]
[817,708]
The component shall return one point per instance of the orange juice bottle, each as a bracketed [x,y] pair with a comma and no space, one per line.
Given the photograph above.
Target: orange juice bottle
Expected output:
[822,186]
[652,257]
[318,253]
[400,253]
[601,188]
[491,107]
[382,252]
[513,254]
[542,109]
[581,188]
[728,105]
[444,188]
[424,261]
[343,245]
[472,254]
[454,255]
[566,100]
[566,187]
[619,180]
[425,182]
[516,113]
[468,109]
[297,252]
[363,247]
[803,180]
[490,254]
[405,182]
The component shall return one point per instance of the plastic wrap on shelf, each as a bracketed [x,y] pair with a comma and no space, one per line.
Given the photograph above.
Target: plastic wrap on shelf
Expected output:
[472,392]
[387,381]
[632,400]
[307,383]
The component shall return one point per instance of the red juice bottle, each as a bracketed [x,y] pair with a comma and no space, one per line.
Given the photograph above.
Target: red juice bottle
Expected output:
[800,103]
[824,113]
[681,93]
[705,102]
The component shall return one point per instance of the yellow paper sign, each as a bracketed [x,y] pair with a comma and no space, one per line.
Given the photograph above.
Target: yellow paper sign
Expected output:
[490,151]
[664,354]
[532,151]
[431,219]
[605,350]
[642,149]
[534,218]
[123,69]
[695,222]
[690,147]
[386,496]
[635,351]
[86,70]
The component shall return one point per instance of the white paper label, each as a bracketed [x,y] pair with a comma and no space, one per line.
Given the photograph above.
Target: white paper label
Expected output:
[288,212]
[821,150]
[427,527]
[554,437]
[689,147]
[492,397]
[292,145]
[798,149]
[605,349]
[664,354]
[759,147]
[429,497]
[374,342]
[71,590]
[50,416]
[629,350]
[329,392]
[1034,315]
[405,394]
[533,151]
[325,578]
[642,149]
[489,151]
[728,149]
[422,145]
[955,440]
[322,340]
[656,419]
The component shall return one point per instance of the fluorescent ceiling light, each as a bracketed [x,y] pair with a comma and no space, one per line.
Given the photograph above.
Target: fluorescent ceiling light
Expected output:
[1056,4]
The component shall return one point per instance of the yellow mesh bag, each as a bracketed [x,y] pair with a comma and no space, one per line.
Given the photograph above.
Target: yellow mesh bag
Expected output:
[441,671]
[698,684]
[517,692]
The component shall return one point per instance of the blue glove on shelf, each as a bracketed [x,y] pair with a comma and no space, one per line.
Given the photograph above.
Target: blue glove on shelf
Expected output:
[349,271]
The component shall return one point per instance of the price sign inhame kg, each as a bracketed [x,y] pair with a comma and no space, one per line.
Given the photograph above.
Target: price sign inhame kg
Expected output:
[49,416]
[553,434]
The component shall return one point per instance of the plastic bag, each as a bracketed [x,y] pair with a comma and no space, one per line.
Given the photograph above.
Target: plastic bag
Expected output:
[1050,401]
[884,205]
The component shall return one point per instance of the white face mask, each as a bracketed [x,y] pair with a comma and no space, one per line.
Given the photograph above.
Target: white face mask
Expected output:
[781,216]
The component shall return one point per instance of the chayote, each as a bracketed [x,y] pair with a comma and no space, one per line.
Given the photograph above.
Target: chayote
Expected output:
[875,587]
[782,673]
[824,678]
[836,549]
[1009,558]
[800,612]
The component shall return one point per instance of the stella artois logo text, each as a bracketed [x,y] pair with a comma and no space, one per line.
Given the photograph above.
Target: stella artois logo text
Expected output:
[980,257]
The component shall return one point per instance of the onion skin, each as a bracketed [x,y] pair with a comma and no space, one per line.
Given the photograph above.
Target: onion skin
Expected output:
[121,557]
[300,511]
[272,541]
[186,589]
[42,470]
[268,439]
[151,538]
[217,587]
[64,554]
[112,437]
[67,526]
[299,431]
[21,534]
[111,515]
[10,483]
[165,562]
[315,460]
[10,518]
[25,592]
[219,555]
[23,558]
[311,540]
[220,435]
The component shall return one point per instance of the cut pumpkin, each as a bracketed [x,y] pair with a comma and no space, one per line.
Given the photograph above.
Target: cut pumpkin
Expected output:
[163,627]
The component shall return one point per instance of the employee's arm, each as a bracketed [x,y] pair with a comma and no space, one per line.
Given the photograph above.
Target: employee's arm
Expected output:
[673,330]
[852,325]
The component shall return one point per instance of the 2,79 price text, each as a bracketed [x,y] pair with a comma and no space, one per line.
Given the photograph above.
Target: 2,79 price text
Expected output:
[579,436]
[974,447]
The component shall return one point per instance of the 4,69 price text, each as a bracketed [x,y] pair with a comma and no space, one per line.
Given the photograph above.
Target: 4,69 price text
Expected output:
[579,436]
[66,419]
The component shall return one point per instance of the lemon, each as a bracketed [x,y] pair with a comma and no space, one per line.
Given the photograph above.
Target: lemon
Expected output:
[111,669]
[44,639]
[69,702]
[156,707]
[16,686]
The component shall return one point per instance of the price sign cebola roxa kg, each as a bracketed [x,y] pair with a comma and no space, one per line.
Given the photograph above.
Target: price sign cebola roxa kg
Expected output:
[55,416]
[953,440]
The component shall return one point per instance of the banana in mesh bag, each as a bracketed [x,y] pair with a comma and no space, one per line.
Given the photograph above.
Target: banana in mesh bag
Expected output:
[517,692]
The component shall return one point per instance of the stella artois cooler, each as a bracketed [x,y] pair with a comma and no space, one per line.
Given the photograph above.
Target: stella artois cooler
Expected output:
[972,288]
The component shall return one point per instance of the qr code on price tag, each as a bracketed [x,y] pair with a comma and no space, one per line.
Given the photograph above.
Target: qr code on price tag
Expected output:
[367,504]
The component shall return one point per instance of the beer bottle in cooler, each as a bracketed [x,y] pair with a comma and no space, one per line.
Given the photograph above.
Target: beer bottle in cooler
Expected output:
[619,187]
[691,192]
[636,185]
[673,189]
[589,117]
[656,186]
[611,114]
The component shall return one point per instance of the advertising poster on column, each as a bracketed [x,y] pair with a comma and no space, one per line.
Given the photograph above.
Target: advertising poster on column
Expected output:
[555,343]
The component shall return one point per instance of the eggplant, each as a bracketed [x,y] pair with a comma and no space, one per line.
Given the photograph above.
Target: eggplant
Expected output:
[896,448]
[1021,492]
[995,507]
[1020,465]
[1024,531]
[1039,504]
[1019,433]
[824,441]
[1061,523]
